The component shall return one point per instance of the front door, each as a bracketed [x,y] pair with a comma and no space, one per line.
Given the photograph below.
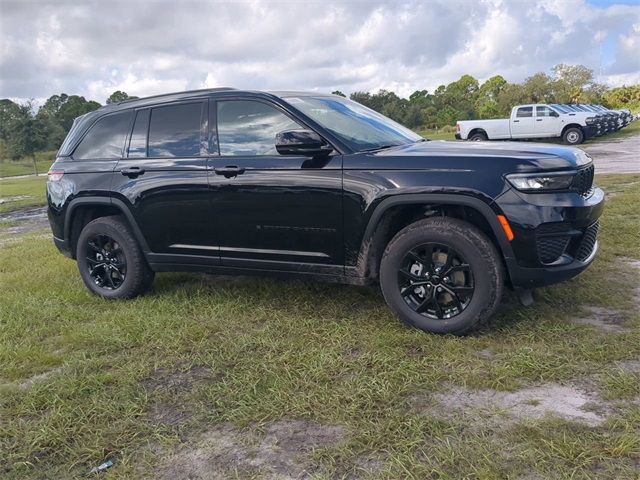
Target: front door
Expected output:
[272,211]
[548,123]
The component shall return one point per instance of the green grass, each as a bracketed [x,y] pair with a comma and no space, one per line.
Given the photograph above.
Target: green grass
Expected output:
[22,192]
[83,379]
[441,134]
[24,166]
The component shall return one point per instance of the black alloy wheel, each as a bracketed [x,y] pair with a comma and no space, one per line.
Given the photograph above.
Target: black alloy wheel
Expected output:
[436,281]
[106,262]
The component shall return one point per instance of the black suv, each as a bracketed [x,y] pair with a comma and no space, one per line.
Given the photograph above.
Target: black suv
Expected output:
[317,186]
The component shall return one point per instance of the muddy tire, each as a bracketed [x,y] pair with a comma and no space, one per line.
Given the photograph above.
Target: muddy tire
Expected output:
[110,260]
[442,275]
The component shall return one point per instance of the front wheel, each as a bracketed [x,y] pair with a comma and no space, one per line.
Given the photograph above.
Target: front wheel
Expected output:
[442,275]
[110,261]
[573,136]
[478,137]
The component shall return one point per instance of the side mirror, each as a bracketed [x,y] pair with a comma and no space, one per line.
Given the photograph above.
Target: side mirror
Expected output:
[554,113]
[301,142]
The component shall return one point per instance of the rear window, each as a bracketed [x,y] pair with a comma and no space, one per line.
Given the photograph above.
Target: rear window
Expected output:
[525,112]
[105,139]
[175,130]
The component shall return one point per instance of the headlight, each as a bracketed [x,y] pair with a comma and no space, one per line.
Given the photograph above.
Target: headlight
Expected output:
[590,120]
[539,182]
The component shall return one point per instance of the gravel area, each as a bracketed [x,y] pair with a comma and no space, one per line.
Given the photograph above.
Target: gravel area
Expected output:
[616,156]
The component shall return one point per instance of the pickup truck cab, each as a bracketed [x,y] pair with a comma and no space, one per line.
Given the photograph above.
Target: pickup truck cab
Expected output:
[533,121]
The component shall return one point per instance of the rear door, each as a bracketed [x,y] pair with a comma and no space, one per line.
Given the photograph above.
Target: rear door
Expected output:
[163,178]
[548,123]
[272,211]
[522,125]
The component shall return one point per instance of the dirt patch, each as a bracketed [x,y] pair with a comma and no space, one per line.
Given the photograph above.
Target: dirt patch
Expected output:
[34,379]
[281,451]
[604,319]
[25,220]
[564,401]
[168,391]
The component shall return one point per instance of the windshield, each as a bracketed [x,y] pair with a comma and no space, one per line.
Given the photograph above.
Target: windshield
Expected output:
[357,126]
[560,107]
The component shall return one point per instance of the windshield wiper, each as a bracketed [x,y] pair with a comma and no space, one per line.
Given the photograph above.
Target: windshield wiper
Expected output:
[380,147]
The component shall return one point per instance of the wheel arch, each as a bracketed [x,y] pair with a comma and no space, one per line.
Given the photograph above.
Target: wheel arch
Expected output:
[572,125]
[85,209]
[473,131]
[394,213]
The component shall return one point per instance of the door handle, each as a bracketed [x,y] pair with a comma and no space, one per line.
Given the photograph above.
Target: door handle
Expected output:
[516,121]
[229,171]
[132,172]
[538,120]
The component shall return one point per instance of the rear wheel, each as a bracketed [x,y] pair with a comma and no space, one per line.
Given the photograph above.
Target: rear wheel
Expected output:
[478,137]
[573,136]
[110,261]
[442,275]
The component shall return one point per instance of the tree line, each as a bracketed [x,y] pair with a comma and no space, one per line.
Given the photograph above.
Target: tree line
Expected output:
[25,130]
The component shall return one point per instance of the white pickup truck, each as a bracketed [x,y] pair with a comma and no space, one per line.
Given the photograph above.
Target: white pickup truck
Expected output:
[532,121]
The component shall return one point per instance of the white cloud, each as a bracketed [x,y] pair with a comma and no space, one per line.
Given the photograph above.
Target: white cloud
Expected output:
[154,46]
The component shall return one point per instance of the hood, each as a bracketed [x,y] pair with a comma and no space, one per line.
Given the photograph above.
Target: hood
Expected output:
[473,156]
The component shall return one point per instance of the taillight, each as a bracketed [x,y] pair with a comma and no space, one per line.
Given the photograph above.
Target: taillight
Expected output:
[458,127]
[55,175]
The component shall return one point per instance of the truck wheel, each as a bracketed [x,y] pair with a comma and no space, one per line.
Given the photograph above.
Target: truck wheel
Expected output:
[478,137]
[110,261]
[442,275]
[573,136]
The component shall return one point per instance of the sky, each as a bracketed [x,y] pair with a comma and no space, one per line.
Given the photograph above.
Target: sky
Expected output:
[148,47]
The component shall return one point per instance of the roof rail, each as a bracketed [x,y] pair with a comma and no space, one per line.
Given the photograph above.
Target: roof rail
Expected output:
[217,89]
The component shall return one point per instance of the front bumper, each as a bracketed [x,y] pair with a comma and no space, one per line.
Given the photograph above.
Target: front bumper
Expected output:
[555,235]
[63,247]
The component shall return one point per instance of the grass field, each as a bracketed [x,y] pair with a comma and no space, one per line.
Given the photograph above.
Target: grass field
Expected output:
[24,166]
[254,378]
[22,192]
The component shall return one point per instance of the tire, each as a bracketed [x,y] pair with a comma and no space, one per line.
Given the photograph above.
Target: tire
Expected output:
[481,267]
[573,136]
[125,272]
[478,137]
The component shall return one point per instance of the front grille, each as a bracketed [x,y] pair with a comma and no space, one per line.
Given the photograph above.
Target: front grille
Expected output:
[583,181]
[588,242]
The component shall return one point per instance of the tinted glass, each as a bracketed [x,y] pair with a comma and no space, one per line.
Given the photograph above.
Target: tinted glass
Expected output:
[525,112]
[138,143]
[175,131]
[356,125]
[544,112]
[106,137]
[249,128]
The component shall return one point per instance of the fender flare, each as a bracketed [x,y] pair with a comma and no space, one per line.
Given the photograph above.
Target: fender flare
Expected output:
[106,201]
[440,198]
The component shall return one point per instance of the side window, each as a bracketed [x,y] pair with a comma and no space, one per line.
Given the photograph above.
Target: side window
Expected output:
[175,130]
[138,142]
[543,112]
[524,112]
[246,127]
[105,139]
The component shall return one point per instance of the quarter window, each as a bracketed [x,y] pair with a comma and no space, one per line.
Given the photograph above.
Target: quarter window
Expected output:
[249,128]
[105,139]
[525,112]
[175,131]
[138,143]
